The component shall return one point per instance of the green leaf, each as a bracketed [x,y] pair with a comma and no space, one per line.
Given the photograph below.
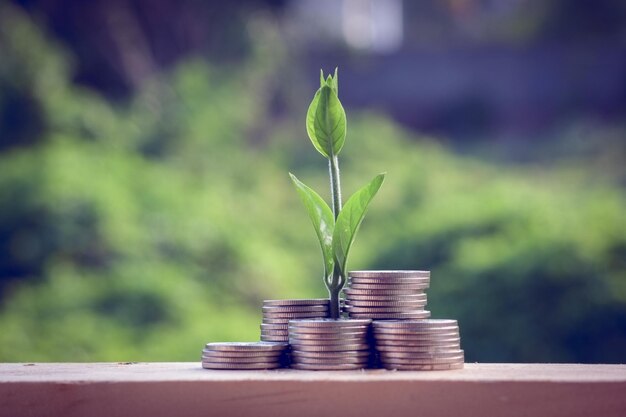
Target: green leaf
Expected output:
[326,122]
[335,85]
[350,219]
[323,221]
[322,82]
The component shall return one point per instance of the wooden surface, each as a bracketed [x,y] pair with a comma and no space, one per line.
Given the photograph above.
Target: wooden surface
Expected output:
[185,389]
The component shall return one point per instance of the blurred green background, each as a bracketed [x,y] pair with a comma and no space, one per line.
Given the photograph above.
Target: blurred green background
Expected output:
[145,207]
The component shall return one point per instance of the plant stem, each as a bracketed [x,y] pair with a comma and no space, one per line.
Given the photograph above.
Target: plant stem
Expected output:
[335,184]
[334,302]
[335,191]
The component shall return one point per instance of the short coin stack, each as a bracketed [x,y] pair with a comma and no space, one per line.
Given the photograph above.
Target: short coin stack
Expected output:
[277,313]
[419,345]
[243,355]
[331,345]
[385,295]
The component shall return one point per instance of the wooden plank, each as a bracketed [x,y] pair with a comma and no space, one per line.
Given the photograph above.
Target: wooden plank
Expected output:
[185,389]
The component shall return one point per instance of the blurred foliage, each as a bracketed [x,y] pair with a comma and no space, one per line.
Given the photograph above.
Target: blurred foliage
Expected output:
[141,231]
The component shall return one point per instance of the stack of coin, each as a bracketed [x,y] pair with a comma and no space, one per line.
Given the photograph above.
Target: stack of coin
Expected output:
[387,295]
[330,345]
[277,313]
[418,345]
[243,355]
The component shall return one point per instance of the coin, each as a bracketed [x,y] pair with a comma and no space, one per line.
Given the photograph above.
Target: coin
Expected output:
[266,326]
[350,292]
[416,341]
[437,367]
[252,359]
[329,323]
[329,331]
[295,309]
[388,280]
[275,338]
[295,343]
[421,361]
[406,349]
[389,273]
[299,302]
[275,332]
[242,354]
[294,315]
[324,348]
[246,346]
[419,344]
[328,336]
[423,355]
[417,324]
[412,315]
[400,332]
[351,309]
[331,355]
[387,298]
[386,304]
[282,321]
[234,366]
[341,367]
[385,287]
[329,361]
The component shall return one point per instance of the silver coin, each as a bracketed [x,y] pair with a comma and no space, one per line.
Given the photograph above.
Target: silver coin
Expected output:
[282,339]
[295,315]
[326,342]
[415,330]
[332,355]
[251,359]
[328,323]
[333,348]
[295,309]
[331,361]
[329,336]
[449,333]
[329,331]
[386,287]
[403,297]
[283,321]
[421,361]
[244,353]
[419,344]
[412,315]
[355,292]
[416,339]
[298,302]
[400,349]
[423,355]
[388,280]
[418,324]
[241,366]
[400,309]
[320,367]
[246,346]
[438,367]
[389,273]
[266,326]
[274,333]
[384,304]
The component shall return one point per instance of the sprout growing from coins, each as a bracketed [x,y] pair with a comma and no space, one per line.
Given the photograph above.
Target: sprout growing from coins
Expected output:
[336,229]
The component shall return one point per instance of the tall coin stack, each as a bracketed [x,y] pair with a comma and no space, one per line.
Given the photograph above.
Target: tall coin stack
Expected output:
[330,345]
[385,295]
[419,345]
[243,355]
[277,313]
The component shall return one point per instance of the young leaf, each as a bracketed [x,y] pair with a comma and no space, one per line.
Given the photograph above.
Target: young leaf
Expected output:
[350,219]
[322,82]
[326,122]
[323,221]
